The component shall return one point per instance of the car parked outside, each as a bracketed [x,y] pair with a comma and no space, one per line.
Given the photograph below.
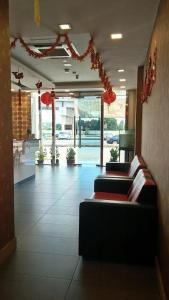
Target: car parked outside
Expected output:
[64,135]
[112,139]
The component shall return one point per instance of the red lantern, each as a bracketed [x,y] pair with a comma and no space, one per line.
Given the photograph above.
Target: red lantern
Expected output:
[46,98]
[109,97]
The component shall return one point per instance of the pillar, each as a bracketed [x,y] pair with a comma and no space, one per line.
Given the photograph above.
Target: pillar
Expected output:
[7,238]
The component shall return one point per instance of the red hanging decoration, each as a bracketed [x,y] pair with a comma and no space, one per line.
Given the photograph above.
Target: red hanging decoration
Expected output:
[109,97]
[150,77]
[18,76]
[95,57]
[46,98]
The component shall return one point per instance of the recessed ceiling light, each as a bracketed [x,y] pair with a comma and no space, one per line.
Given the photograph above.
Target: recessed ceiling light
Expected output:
[120,70]
[65,26]
[67,91]
[122,79]
[71,94]
[67,70]
[116,36]
[122,86]
[67,65]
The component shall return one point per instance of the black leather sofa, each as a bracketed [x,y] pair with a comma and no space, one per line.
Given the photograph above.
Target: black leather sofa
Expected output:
[118,230]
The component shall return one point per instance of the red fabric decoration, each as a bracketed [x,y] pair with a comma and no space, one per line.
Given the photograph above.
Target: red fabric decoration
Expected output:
[46,98]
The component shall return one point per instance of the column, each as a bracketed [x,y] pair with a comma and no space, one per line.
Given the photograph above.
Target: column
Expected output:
[7,239]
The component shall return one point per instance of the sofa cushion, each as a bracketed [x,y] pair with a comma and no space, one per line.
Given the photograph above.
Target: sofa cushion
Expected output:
[109,196]
[117,173]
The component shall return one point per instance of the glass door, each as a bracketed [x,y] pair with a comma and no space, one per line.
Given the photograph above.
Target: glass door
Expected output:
[88,130]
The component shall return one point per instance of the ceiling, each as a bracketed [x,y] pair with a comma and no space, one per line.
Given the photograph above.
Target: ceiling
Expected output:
[133,18]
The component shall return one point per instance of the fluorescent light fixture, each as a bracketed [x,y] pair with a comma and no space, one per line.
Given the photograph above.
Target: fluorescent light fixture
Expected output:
[67,91]
[122,79]
[122,86]
[65,26]
[120,70]
[67,65]
[71,94]
[116,36]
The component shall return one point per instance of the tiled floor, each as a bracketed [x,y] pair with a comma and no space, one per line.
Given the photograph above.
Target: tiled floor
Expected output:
[46,265]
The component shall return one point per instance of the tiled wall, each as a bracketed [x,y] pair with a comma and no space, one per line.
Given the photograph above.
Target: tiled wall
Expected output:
[155,133]
[21,115]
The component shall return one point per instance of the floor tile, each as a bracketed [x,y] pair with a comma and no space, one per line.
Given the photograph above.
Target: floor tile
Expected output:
[50,245]
[33,288]
[59,230]
[53,265]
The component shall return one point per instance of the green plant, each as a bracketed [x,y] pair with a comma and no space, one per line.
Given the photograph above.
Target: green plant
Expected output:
[70,154]
[41,154]
[114,152]
[57,154]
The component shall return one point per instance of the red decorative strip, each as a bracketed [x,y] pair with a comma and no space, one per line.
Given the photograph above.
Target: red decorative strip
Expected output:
[95,60]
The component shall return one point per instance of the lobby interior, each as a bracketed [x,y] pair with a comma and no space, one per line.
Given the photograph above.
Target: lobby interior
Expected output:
[39,218]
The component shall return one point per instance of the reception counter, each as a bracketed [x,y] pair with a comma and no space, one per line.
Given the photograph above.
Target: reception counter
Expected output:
[24,159]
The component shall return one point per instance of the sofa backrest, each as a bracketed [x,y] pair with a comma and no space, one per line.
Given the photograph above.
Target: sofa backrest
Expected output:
[136,164]
[143,189]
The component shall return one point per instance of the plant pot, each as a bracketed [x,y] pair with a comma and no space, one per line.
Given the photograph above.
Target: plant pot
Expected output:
[70,162]
[57,162]
[40,162]
[52,162]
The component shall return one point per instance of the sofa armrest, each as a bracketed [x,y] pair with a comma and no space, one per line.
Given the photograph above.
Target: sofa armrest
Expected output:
[115,166]
[112,185]
[118,231]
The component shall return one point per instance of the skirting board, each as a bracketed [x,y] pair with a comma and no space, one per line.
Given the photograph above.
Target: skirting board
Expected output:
[160,281]
[6,251]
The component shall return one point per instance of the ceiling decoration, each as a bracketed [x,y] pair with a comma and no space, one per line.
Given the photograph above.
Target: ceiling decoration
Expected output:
[96,63]
[133,18]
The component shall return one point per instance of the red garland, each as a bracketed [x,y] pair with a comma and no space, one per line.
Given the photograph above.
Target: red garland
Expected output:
[150,77]
[95,57]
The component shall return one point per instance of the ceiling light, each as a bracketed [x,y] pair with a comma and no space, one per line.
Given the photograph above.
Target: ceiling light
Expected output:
[67,65]
[122,86]
[122,79]
[71,94]
[65,26]
[116,36]
[120,70]
[67,70]
[67,91]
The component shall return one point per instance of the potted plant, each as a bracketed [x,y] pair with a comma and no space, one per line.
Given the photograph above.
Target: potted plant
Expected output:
[41,156]
[55,158]
[114,152]
[57,154]
[70,156]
